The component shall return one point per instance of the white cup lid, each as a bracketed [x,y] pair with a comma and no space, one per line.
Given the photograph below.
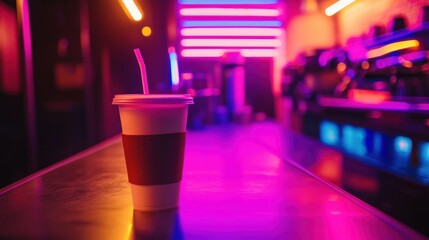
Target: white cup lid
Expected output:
[153,99]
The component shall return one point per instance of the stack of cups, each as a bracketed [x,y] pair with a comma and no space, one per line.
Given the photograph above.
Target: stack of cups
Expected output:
[154,135]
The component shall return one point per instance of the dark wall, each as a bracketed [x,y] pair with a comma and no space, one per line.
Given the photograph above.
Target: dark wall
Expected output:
[111,28]
[74,89]
[60,107]
[13,160]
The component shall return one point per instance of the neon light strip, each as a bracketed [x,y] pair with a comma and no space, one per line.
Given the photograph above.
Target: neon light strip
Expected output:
[220,52]
[254,12]
[414,56]
[424,154]
[386,62]
[346,103]
[133,9]
[259,52]
[173,66]
[377,52]
[202,52]
[334,8]
[405,59]
[228,1]
[231,23]
[230,42]
[271,32]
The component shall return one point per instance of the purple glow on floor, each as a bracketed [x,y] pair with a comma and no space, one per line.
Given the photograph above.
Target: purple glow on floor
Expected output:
[237,185]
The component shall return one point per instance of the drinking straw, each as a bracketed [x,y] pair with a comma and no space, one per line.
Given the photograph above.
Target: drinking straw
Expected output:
[142,70]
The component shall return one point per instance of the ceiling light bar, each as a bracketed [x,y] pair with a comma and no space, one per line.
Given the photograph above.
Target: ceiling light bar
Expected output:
[133,10]
[336,7]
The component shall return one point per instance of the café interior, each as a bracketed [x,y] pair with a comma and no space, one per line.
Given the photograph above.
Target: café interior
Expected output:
[310,117]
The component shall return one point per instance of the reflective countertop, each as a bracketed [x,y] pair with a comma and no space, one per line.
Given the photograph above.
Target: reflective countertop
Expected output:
[237,184]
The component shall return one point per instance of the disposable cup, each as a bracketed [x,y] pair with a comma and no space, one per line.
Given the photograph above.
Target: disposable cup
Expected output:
[153,137]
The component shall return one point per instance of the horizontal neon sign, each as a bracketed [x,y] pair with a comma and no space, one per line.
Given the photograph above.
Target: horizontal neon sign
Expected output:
[265,32]
[251,12]
[220,52]
[133,10]
[230,42]
[221,23]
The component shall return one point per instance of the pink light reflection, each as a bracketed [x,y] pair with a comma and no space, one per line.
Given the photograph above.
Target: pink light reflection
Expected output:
[235,185]
[254,12]
[271,32]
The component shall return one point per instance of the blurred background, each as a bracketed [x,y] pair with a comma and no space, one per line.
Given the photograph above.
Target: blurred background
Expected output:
[350,74]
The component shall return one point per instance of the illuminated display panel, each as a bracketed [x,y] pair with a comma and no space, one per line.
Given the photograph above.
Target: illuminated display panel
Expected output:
[391,153]
[424,154]
[329,133]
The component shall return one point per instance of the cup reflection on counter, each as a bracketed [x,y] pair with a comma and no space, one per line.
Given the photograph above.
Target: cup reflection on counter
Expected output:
[157,225]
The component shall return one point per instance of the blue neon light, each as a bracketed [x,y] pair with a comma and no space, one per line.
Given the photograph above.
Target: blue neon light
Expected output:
[354,140]
[220,23]
[377,143]
[402,146]
[329,133]
[228,2]
[347,136]
[424,154]
[174,68]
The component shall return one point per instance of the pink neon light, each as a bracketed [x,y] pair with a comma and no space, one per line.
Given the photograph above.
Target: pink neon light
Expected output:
[231,32]
[231,42]
[202,52]
[259,12]
[259,52]
[220,52]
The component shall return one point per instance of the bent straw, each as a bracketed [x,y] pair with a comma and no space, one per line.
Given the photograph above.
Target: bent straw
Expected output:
[142,70]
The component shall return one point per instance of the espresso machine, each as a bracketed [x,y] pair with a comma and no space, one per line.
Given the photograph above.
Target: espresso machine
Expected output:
[389,65]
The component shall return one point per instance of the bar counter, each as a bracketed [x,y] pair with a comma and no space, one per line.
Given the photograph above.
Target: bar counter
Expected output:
[238,183]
